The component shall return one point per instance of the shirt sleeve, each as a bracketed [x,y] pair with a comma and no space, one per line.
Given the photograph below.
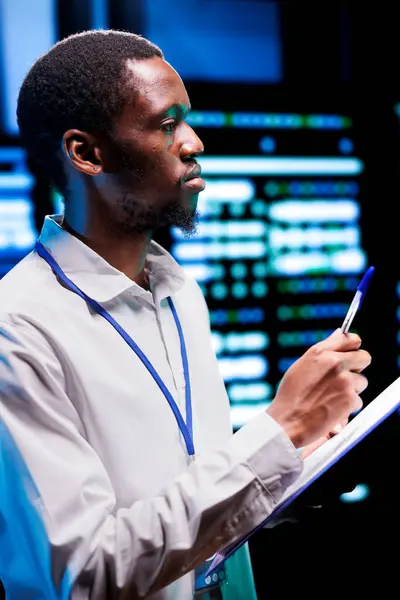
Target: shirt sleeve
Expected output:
[83,541]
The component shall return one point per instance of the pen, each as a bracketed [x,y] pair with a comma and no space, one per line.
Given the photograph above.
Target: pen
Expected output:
[357,300]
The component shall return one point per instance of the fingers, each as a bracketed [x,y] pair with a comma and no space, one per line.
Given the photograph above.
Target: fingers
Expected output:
[357,404]
[358,382]
[355,361]
[338,428]
[352,385]
[341,425]
[335,430]
[310,448]
[341,342]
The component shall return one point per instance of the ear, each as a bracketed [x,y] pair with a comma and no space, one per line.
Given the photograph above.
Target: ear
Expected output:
[83,151]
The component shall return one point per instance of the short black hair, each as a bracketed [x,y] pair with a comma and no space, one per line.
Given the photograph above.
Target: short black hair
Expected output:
[77,84]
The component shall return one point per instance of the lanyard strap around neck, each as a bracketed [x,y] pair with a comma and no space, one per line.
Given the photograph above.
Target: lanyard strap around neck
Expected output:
[185,428]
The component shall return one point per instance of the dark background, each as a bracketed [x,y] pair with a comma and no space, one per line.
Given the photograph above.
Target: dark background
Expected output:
[349,53]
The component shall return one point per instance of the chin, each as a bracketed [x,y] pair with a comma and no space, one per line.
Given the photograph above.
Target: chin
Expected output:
[188,201]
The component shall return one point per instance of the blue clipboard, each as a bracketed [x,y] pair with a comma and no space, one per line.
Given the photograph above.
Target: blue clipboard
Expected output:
[377,411]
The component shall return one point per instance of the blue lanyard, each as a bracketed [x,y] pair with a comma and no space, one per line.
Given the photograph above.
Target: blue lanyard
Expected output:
[185,428]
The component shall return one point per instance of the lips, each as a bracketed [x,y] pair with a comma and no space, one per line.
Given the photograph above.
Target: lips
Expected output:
[195,172]
[193,180]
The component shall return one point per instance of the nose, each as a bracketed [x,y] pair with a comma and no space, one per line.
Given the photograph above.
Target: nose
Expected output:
[192,145]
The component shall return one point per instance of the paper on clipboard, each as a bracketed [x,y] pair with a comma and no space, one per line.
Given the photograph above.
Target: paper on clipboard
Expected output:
[327,455]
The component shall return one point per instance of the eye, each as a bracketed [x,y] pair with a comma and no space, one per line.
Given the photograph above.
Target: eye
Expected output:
[168,127]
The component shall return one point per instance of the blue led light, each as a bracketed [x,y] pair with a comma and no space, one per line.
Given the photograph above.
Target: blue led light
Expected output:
[249,392]
[285,363]
[346,145]
[234,342]
[250,315]
[206,118]
[259,289]
[316,188]
[25,34]
[267,145]
[242,412]
[294,165]
[17,231]
[218,317]
[239,289]
[301,338]
[258,208]
[260,269]
[246,367]
[99,14]
[312,311]
[219,291]
[358,494]
[213,50]
[237,210]
[238,270]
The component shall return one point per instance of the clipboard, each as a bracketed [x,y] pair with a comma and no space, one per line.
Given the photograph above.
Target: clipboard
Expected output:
[327,455]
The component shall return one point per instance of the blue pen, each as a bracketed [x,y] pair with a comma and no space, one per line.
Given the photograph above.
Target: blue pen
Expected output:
[357,300]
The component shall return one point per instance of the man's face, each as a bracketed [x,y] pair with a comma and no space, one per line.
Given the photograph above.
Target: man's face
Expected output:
[150,158]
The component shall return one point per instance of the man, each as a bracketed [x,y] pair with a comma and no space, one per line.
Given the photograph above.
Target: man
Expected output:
[121,473]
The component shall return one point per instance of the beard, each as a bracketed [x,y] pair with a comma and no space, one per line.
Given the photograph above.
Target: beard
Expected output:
[135,213]
[137,217]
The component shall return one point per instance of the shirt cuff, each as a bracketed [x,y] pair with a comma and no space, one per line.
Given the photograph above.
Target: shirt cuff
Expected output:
[270,454]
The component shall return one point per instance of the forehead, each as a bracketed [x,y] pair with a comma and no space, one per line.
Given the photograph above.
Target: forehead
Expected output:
[155,86]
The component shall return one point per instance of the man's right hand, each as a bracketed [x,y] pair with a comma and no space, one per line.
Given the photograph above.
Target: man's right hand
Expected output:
[321,389]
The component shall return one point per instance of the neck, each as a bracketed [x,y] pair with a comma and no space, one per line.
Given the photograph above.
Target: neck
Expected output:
[127,254]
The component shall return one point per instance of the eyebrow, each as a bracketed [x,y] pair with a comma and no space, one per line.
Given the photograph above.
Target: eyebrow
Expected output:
[181,109]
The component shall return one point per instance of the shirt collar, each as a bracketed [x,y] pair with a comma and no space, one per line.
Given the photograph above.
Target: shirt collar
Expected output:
[96,277]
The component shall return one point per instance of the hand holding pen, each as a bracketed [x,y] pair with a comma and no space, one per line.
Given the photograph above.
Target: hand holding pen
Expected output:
[351,313]
[322,388]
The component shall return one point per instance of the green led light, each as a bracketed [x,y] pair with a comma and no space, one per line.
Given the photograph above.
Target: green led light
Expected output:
[297,121]
[312,121]
[271,189]
[341,187]
[232,316]
[307,188]
[306,312]
[293,286]
[284,339]
[284,313]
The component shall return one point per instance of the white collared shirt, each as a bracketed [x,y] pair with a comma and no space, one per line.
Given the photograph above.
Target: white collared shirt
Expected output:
[124,512]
